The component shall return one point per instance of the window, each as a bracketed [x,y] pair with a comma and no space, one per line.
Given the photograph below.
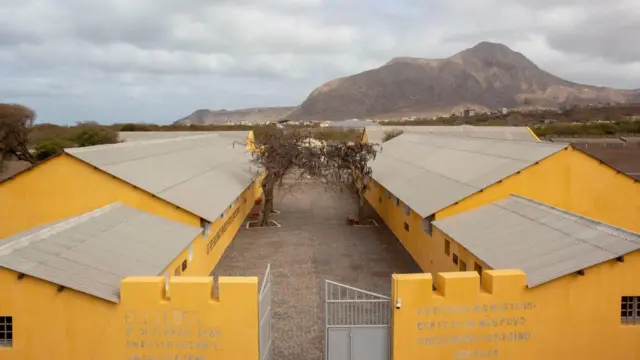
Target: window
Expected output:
[463,266]
[478,268]
[427,226]
[6,331]
[244,199]
[206,227]
[455,259]
[388,194]
[397,201]
[447,247]
[176,272]
[379,199]
[223,214]
[630,310]
[407,210]
[406,226]
[184,265]
[190,252]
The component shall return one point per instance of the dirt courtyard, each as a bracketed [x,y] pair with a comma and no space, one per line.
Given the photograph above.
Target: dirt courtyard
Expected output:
[314,244]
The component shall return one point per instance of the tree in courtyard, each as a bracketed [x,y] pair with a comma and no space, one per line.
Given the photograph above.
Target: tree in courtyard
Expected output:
[347,164]
[16,122]
[279,153]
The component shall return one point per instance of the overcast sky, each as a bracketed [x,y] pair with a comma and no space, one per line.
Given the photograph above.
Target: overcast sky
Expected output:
[159,60]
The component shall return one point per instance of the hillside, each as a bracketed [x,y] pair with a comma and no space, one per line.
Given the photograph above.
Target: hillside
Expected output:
[486,77]
[220,117]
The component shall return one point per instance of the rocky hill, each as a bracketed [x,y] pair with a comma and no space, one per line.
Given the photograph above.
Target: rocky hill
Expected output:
[221,117]
[488,76]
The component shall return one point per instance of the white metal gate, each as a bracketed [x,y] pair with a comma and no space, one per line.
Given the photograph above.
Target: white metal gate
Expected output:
[357,323]
[265,316]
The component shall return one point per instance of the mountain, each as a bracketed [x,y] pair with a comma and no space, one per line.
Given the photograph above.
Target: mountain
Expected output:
[488,76]
[220,117]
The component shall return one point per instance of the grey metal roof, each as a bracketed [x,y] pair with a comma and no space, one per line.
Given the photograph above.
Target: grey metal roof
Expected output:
[518,133]
[93,252]
[356,124]
[431,172]
[131,136]
[544,241]
[202,174]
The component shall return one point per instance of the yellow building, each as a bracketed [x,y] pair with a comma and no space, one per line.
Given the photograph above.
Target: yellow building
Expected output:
[473,206]
[77,224]
[419,178]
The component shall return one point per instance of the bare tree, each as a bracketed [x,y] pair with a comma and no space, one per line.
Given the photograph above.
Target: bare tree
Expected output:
[279,153]
[347,164]
[16,122]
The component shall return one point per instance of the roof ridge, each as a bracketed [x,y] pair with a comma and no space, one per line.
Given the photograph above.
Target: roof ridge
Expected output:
[552,228]
[81,150]
[55,229]
[584,220]
[125,144]
[455,135]
[480,152]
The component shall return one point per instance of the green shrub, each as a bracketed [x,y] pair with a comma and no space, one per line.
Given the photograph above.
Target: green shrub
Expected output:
[94,135]
[49,148]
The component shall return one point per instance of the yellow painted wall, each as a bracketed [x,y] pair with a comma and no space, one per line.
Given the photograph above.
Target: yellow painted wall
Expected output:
[570,180]
[415,241]
[50,324]
[208,251]
[187,322]
[574,317]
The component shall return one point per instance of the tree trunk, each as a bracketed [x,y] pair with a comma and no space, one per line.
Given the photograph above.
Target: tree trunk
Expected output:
[362,211]
[268,184]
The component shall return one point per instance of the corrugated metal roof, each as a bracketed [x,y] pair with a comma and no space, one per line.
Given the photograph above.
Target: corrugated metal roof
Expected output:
[544,241]
[356,124]
[93,252]
[518,133]
[431,172]
[202,174]
[131,136]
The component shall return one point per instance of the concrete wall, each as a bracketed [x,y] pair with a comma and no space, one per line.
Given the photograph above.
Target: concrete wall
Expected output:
[149,323]
[500,318]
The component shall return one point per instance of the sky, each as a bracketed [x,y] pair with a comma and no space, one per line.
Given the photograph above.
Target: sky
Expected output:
[157,61]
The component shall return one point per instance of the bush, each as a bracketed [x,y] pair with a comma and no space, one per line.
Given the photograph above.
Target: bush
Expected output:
[94,135]
[51,148]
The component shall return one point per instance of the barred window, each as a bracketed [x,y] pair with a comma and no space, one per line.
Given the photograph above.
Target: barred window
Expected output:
[630,310]
[426,225]
[206,227]
[6,331]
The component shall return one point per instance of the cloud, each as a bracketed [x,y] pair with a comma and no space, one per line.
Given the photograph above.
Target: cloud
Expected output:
[160,60]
